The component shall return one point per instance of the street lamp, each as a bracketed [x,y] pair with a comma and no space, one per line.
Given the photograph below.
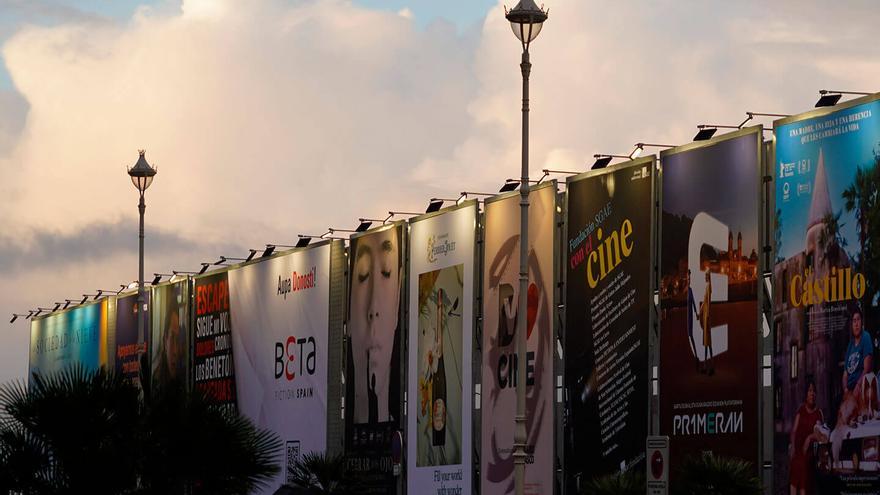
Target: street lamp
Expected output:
[526,20]
[141,176]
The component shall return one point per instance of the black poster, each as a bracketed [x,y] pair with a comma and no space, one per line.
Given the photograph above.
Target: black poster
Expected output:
[373,379]
[212,343]
[608,294]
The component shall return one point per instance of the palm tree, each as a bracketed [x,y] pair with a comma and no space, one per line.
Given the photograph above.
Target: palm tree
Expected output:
[320,473]
[81,431]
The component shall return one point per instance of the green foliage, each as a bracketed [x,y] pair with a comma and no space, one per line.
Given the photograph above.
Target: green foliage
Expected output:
[862,198]
[716,475]
[91,432]
[324,474]
[627,483]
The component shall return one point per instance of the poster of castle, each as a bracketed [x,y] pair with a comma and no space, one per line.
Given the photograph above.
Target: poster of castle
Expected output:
[825,279]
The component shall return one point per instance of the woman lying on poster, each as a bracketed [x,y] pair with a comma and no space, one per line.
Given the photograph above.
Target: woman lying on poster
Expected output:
[805,431]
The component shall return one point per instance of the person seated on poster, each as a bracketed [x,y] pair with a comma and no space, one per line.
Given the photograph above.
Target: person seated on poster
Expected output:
[806,430]
[859,349]
[708,355]
[691,311]
[866,391]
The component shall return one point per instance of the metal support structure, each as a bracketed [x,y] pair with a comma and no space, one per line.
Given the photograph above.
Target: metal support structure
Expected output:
[520,434]
[141,301]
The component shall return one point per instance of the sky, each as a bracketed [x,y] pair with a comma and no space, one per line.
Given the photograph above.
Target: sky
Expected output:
[270,118]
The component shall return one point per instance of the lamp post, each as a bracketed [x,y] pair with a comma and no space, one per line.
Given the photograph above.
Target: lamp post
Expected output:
[141,176]
[526,20]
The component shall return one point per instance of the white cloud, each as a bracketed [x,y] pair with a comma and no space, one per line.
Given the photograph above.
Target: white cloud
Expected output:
[273,118]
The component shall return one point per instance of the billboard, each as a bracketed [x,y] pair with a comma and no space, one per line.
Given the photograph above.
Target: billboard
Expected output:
[373,378]
[213,368]
[500,313]
[607,318]
[169,336]
[131,349]
[280,310]
[441,318]
[77,336]
[826,278]
[709,322]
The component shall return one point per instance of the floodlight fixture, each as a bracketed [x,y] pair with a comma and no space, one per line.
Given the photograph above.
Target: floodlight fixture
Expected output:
[204,268]
[251,254]
[434,205]
[157,277]
[830,97]
[391,214]
[303,241]
[603,160]
[15,316]
[363,226]
[509,185]
[57,305]
[270,248]
[705,132]
[84,299]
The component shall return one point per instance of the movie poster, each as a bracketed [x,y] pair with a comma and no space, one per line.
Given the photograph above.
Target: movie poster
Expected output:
[280,310]
[373,381]
[826,282]
[608,294]
[709,323]
[500,313]
[213,368]
[77,336]
[441,295]
[170,329]
[131,349]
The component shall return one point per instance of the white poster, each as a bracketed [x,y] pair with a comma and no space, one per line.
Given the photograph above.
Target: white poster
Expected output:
[441,295]
[280,315]
[500,313]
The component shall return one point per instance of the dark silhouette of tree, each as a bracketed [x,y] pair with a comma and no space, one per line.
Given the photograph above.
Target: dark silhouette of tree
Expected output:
[81,431]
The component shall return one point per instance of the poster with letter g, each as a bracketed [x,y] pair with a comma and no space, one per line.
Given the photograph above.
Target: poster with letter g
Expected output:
[500,314]
[441,316]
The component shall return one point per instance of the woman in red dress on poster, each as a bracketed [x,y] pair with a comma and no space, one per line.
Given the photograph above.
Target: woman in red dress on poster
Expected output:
[802,437]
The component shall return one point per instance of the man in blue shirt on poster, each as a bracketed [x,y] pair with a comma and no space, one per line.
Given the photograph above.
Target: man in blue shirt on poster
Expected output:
[859,348]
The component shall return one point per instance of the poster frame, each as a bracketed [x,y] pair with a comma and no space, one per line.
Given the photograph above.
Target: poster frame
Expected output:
[556,364]
[758,133]
[403,322]
[653,336]
[476,317]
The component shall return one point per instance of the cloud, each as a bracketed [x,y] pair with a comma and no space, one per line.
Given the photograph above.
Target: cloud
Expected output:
[268,119]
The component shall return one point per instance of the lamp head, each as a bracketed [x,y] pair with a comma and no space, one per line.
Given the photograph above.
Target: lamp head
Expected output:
[142,173]
[526,20]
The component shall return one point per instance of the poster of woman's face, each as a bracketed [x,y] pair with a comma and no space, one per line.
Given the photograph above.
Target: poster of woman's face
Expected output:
[373,322]
[169,357]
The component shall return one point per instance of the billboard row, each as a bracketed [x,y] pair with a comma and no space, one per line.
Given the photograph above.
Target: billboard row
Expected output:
[708,296]
[280,313]
[500,313]
[441,316]
[81,335]
[827,280]
[608,306]
[373,378]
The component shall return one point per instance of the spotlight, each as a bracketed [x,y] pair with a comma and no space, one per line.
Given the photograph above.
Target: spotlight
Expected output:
[14,317]
[204,268]
[364,225]
[250,256]
[303,241]
[270,248]
[705,133]
[509,185]
[828,99]
[602,161]
[434,205]
[84,299]
[57,305]
[157,277]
